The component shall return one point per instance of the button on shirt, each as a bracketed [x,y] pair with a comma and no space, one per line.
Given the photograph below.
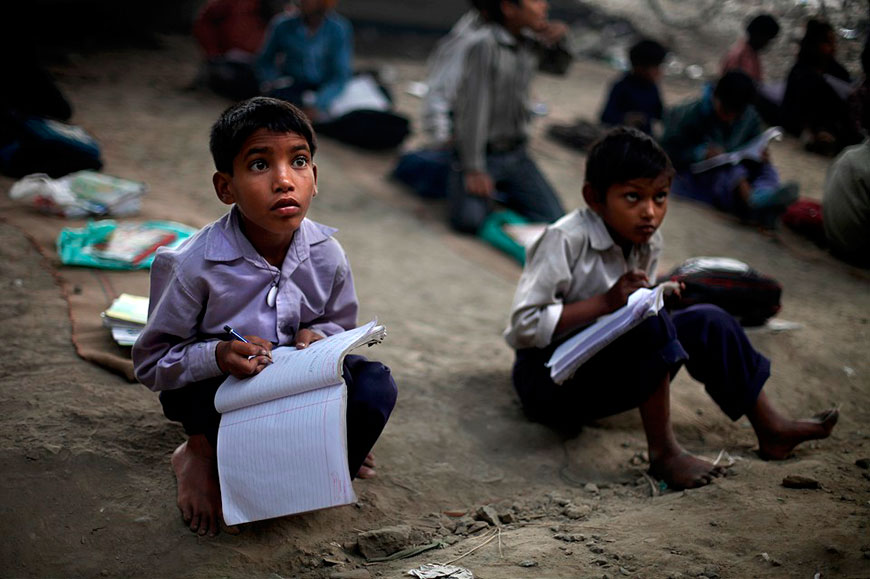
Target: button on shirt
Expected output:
[218,278]
[573,260]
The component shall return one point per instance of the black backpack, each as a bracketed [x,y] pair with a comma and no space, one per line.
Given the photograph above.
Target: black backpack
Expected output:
[732,285]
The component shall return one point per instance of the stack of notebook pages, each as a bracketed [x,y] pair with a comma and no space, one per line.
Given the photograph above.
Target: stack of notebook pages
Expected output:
[126,318]
[575,351]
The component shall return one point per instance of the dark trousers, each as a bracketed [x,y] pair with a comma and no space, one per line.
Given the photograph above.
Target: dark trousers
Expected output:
[519,185]
[705,338]
[371,395]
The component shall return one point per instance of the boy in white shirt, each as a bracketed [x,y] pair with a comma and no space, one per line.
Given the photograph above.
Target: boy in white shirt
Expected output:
[586,265]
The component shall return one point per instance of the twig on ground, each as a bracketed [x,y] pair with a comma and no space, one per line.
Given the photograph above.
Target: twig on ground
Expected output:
[488,540]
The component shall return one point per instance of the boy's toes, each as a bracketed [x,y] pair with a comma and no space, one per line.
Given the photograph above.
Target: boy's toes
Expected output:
[194,523]
[366,472]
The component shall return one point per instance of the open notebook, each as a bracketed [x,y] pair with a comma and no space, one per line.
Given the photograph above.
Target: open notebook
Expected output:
[573,352]
[282,442]
[753,151]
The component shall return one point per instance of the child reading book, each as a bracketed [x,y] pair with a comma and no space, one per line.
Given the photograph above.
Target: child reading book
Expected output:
[723,120]
[585,266]
[275,276]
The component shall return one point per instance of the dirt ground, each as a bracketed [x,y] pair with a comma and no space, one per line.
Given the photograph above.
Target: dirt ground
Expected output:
[87,488]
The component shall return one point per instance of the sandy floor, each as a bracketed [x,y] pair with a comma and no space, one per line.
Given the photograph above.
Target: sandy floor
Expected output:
[85,456]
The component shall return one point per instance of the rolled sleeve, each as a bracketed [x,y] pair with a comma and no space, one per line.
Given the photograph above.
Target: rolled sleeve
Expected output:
[538,302]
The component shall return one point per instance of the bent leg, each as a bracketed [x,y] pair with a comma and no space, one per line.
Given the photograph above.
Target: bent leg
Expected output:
[668,460]
[527,190]
[605,384]
[194,461]
[721,357]
[371,396]
[734,373]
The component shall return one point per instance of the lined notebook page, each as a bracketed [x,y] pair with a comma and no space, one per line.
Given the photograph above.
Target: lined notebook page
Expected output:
[575,351]
[292,371]
[285,456]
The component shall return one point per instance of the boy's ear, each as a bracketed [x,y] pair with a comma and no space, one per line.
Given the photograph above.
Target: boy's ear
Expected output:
[314,170]
[591,198]
[221,182]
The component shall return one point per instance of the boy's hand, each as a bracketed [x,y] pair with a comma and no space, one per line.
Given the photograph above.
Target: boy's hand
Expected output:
[479,183]
[551,32]
[242,360]
[674,297]
[617,296]
[306,337]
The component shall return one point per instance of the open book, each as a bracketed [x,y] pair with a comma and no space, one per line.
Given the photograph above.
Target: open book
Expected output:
[573,352]
[753,151]
[282,442]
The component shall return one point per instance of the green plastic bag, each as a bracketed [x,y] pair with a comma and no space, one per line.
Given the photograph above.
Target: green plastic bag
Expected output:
[81,246]
[492,231]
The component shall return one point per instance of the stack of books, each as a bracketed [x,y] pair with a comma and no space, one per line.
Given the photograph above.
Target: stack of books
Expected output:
[126,318]
[132,243]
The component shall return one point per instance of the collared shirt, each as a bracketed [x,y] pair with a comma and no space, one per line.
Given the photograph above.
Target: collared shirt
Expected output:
[218,278]
[573,260]
[445,73]
[492,103]
[322,59]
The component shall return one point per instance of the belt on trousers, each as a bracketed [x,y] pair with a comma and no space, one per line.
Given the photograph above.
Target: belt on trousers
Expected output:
[505,145]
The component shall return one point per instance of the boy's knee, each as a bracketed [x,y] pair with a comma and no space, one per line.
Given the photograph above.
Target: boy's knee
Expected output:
[710,317]
[373,385]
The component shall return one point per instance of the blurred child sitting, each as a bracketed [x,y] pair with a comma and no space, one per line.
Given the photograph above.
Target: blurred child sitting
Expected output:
[745,55]
[278,277]
[491,115]
[814,105]
[724,120]
[307,57]
[585,266]
[634,100]
[230,33]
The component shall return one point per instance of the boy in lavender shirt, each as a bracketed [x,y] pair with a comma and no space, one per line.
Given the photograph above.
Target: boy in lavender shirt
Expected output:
[277,277]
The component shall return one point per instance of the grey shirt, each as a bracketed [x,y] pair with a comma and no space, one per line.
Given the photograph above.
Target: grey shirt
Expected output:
[573,260]
[492,101]
[846,202]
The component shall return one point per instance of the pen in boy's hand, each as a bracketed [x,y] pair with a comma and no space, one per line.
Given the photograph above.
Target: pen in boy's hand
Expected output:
[228,329]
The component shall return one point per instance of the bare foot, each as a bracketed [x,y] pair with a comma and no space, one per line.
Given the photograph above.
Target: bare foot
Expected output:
[681,470]
[367,470]
[779,440]
[199,497]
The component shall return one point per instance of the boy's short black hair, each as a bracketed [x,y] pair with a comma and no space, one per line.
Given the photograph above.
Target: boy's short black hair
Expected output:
[735,91]
[492,9]
[647,53]
[243,119]
[621,155]
[762,28]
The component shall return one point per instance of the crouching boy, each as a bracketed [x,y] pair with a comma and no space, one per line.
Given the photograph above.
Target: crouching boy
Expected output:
[273,274]
[586,265]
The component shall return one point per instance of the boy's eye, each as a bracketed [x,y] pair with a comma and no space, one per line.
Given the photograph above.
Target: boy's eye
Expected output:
[631,196]
[300,162]
[258,165]
[661,196]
